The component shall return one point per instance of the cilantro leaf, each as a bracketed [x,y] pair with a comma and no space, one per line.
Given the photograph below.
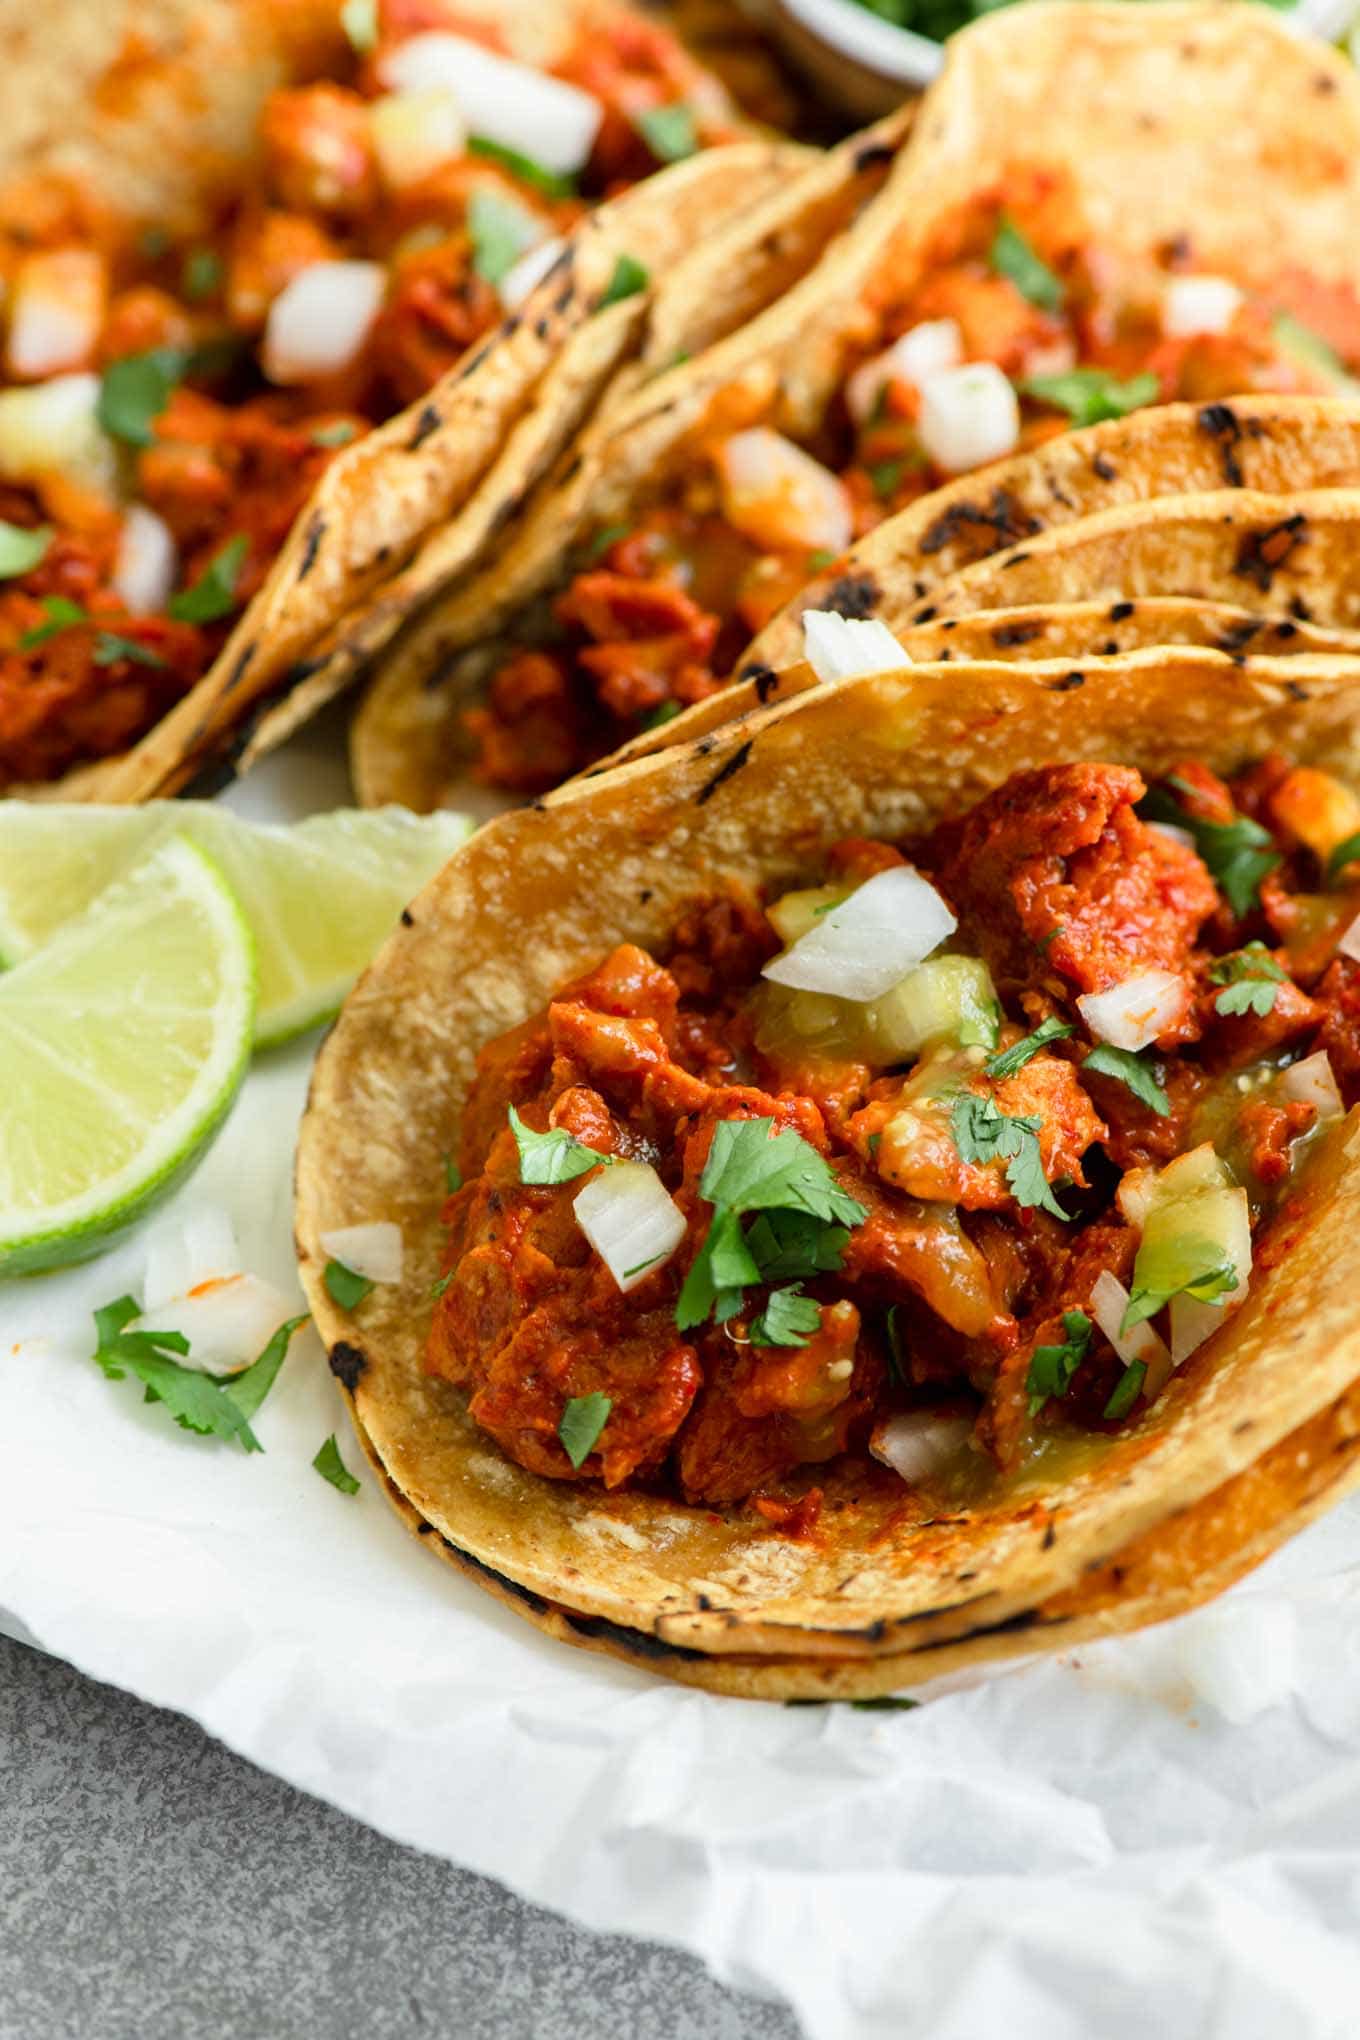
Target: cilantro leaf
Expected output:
[983,1132]
[1238,853]
[980,1028]
[61,613]
[608,535]
[339,432]
[884,476]
[1345,853]
[668,131]
[751,1167]
[249,1389]
[22,549]
[1131,1071]
[1012,256]
[1212,1282]
[786,1244]
[344,1287]
[1014,1058]
[788,1319]
[1126,1390]
[198,1402]
[628,278]
[332,1467]
[550,182]
[135,390]
[720,1271]
[1252,979]
[202,273]
[213,594]
[1089,395]
[453,1175]
[582,1421]
[552,1157]
[501,232]
[659,717]
[109,648]
[1051,1368]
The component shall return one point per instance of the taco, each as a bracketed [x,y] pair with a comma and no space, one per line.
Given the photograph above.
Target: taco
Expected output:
[252,353]
[1088,217]
[890,1319]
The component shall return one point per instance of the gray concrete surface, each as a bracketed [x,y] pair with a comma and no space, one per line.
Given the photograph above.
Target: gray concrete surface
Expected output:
[155,1887]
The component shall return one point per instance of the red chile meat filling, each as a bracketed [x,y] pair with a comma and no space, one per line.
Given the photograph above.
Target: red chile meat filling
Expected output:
[866,1232]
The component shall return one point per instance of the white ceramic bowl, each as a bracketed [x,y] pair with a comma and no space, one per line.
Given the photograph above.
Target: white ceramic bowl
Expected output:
[860,62]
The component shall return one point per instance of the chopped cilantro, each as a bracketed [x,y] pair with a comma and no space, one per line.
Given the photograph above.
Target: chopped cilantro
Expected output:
[441,1283]
[1089,395]
[583,1419]
[1014,1058]
[22,549]
[980,1027]
[1345,853]
[198,1402]
[1310,347]
[983,1132]
[720,1271]
[552,1157]
[897,1352]
[628,278]
[135,390]
[659,717]
[668,131]
[344,1287]
[359,19]
[61,613]
[332,1467]
[453,1175]
[202,273]
[1126,1390]
[339,432]
[501,231]
[884,476]
[1238,853]
[213,594]
[788,1319]
[1131,1071]
[609,535]
[1251,978]
[788,1244]
[885,1703]
[550,182]
[1012,256]
[1211,1283]
[1051,1368]
[822,558]
[109,648]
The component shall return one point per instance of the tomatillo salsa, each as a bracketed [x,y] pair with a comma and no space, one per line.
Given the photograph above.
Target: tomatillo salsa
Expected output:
[964,1146]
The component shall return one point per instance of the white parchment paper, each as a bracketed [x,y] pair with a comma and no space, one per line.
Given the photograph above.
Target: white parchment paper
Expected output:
[1160,1838]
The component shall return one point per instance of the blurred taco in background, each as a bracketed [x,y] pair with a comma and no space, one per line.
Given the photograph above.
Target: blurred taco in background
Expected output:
[865,1178]
[263,327]
[1098,209]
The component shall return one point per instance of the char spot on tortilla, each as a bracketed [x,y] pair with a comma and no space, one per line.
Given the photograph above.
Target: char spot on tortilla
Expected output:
[853,595]
[1286,629]
[1110,647]
[644,895]
[1104,467]
[764,679]
[348,1364]
[727,770]
[1017,633]
[428,422]
[928,614]
[1299,608]
[872,155]
[1120,611]
[1296,690]
[1262,553]
[408,919]
[311,544]
[238,671]
[636,1642]
[1068,682]
[1001,517]
[1239,634]
[1221,423]
[1050,1535]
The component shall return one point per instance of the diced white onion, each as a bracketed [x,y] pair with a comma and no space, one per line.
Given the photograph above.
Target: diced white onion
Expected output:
[54,428]
[969,416]
[1199,304]
[413,133]
[374,1251]
[524,276]
[145,570]
[1134,1196]
[182,1252]
[868,943]
[918,1443]
[56,312]
[543,117]
[934,345]
[631,1220]
[780,496]
[227,1319]
[844,647]
[1109,1301]
[1349,944]
[1313,1082]
[1133,1013]
[1192,1322]
[319,321]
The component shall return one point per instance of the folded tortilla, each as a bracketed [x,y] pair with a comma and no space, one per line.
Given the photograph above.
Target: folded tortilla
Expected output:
[706,1595]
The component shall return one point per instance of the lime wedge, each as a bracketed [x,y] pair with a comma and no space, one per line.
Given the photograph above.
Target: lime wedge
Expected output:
[320,896]
[122,1045]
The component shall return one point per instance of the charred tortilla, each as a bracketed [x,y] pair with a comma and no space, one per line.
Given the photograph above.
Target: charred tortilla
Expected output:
[543,894]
